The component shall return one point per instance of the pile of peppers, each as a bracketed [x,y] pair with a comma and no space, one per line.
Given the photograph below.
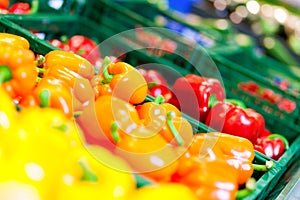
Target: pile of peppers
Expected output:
[37,128]
[57,104]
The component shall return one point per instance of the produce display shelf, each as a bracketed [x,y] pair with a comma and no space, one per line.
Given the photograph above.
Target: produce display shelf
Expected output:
[69,25]
[239,65]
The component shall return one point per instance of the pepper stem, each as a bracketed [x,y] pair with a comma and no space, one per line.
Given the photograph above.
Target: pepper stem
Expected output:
[159,99]
[106,75]
[5,74]
[212,100]
[285,141]
[114,132]
[34,6]
[263,168]
[40,70]
[45,98]
[40,60]
[170,116]
[237,103]
[88,175]
[250,187]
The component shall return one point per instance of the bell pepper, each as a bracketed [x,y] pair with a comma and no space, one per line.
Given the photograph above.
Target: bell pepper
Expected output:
[173,191]
[4,4]
[216,164]
[208,178]
[236,120]
[193,91]
[71,61]
[64,76]
[52,93]
[59,44]
[101,174]
[161,90]
[273,145]
[18,69]
[24,8]
[124,81]
[238,152]
[176,130]
[14,40]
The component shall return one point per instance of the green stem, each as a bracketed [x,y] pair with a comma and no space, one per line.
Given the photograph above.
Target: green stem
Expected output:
[38,79]
[64,39]
[250,187]
[212,100]
[106,75]
[285,141]
[114,132]
[40,70]
[44,98]
[170,116]
[40,60]
[237,103]
[77,114]
[5,74]
[88,175]
[263,168]
[62,127]
[159,99]
[34,6]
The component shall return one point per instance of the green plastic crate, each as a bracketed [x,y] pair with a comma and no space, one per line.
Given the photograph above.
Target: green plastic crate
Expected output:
[236,65]
[265,181]
[144,13]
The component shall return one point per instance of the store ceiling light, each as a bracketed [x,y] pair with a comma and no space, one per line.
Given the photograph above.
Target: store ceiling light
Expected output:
[253,7]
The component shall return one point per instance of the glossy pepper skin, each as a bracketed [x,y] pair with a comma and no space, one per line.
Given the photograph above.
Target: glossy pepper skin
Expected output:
[24,8]
[30,153]
[215,165]
[161,90]
[173,191]
[273,145]
[229,118]
[121,80]
[65,83]
[176,130]
[193,91]
[17,65]
[237,151]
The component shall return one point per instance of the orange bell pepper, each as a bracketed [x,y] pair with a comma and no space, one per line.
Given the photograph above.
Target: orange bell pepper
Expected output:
[65,82]
[71,61]
[17,66]
[14,40]
[121,80]
[237,151]
[175,127]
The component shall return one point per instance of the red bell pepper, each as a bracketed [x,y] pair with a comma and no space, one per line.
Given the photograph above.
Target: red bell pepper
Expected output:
[193,95]
[272,146]
[161,90]
[236,120]
[24,8]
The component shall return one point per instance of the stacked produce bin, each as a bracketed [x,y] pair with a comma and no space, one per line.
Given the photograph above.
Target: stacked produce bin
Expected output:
[108,24]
